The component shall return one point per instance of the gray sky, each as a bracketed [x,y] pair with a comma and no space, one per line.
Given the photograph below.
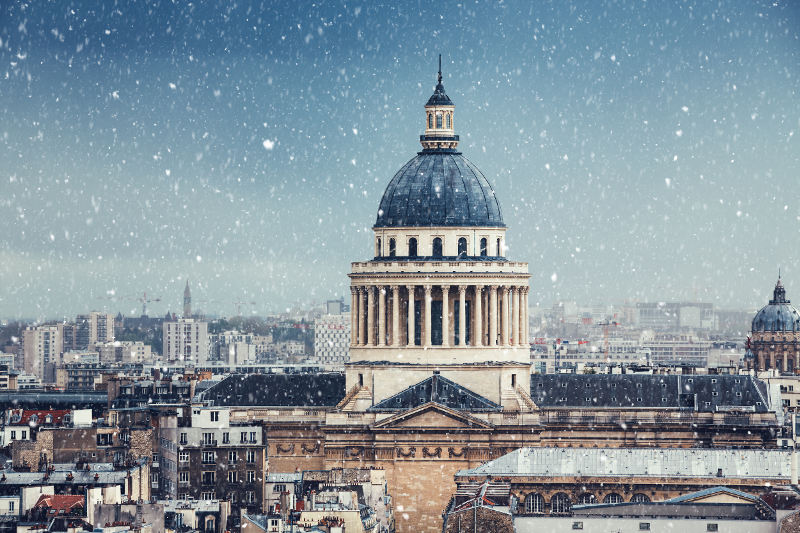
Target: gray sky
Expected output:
[640,150]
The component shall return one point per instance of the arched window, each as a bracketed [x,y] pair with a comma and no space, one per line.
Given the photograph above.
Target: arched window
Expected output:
[448,121]
[587,498]
[612,498]
[462,247]
[378,248]
[430,121]
[498,248]
[437,247]
[534,503]
[484,250]
[438,121]
[392,247]
[412,247]
[560,503]
[640,498]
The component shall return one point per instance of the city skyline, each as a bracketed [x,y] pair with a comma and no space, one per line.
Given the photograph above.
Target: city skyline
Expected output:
[651,153]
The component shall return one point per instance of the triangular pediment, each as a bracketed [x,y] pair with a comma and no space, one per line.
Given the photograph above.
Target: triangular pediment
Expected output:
[432,416]
[436,389]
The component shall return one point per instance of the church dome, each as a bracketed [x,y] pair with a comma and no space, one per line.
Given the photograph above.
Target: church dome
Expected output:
[778,315]
[439,187]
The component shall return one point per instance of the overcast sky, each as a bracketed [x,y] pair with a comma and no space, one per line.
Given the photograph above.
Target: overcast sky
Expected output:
[640,150]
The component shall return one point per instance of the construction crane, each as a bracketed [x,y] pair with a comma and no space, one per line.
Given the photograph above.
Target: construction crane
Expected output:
[145,300]
[606,325]
[239,305]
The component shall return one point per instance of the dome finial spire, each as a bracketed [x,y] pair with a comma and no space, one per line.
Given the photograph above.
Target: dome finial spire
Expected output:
[440,69]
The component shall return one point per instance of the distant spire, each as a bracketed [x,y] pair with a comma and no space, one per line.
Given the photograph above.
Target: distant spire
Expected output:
[440,69]
[187,301]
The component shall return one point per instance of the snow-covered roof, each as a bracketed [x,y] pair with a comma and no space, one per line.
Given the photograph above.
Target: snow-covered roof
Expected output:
[638,462]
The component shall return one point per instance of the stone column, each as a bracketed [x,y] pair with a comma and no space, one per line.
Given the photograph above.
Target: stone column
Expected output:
[445,315]
[411,335]
[381,316]
[427,340]
[371,315]
[395,315]
[353,316]
[462,315]
[493,315]
[525,325]
[505,324]
[515,314]
[477,330]
[362,316]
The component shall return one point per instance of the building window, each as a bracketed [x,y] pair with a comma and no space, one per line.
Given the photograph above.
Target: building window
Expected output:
[209,458]
[438,121]
[11,506]
[207,495]
[232,477]
[251,496]
[378,248]
[252,437]
[184,439]
[209,478]
[243,437]
[448,121]
[534,503]
[577,525]
[484,250]
[251,456]
[462,247]
[612,498]
[13,435]
[712,527]
[208,439]
[644,526]
[279,488]
[392,247]
[214,416]
[430,121]
[232,458]
[412,247]
[640,498]
[560,503]
[498,249]
[183,457]
[251,476]
[183,477]
[226,438]
[437,247]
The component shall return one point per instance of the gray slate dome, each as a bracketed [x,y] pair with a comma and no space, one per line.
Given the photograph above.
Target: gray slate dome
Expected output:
[778,315]
[439,188]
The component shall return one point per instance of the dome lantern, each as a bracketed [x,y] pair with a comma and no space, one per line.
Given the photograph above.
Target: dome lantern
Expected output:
[439,119]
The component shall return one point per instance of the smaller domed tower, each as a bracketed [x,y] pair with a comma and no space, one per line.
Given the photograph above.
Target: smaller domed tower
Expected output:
[774,342]
[439,117]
